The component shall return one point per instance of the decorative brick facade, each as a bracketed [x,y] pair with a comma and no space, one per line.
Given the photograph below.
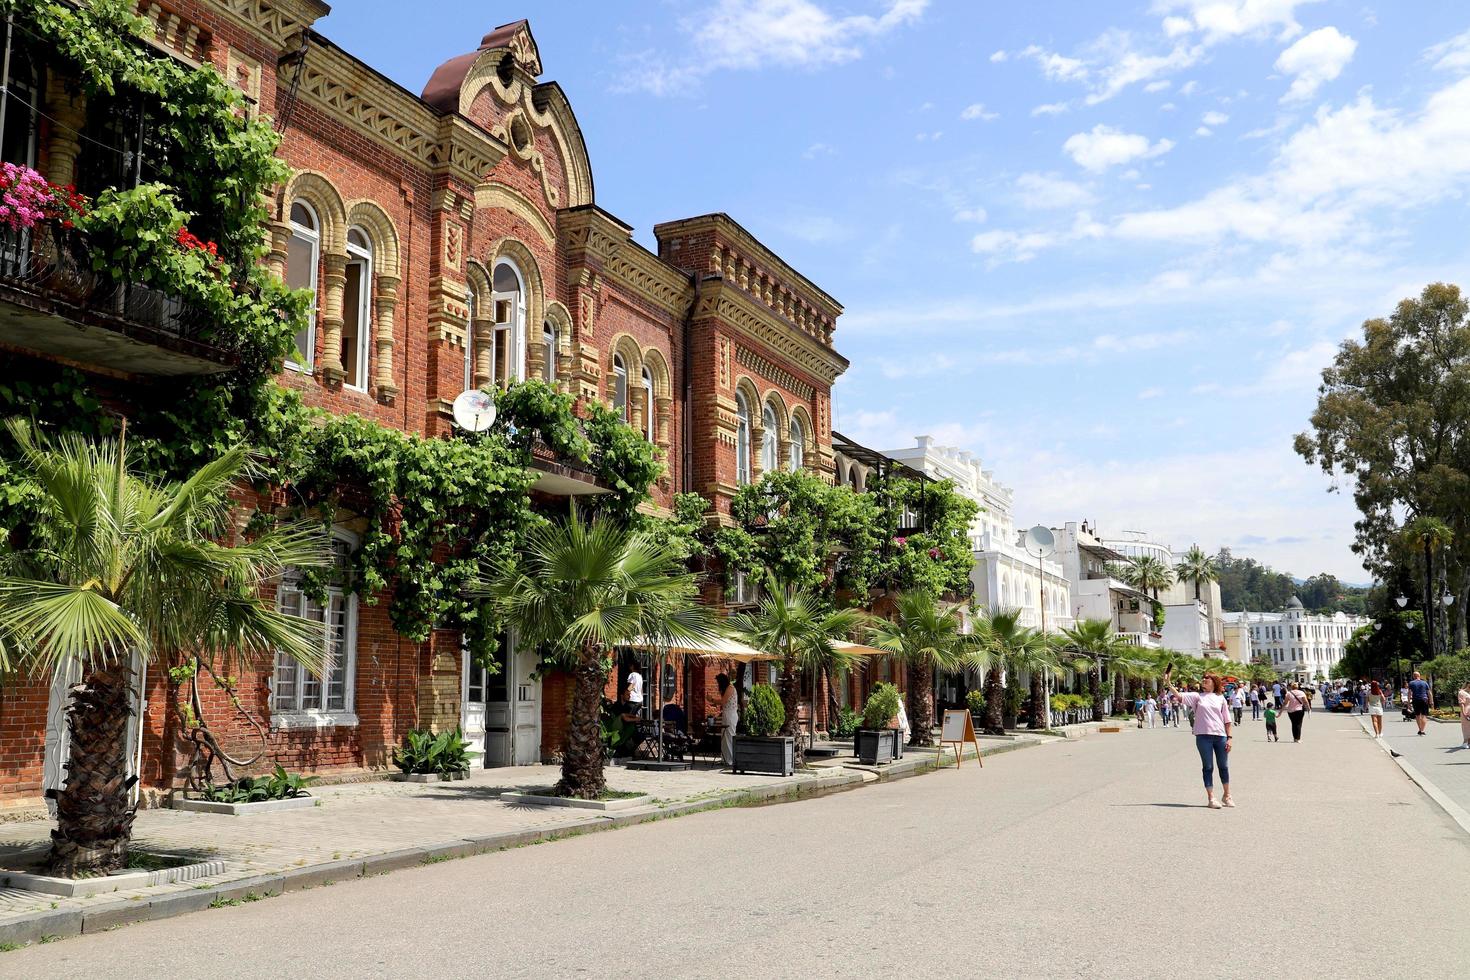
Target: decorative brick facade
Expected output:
[486,168]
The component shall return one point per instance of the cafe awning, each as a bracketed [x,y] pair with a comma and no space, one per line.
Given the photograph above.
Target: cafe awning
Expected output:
[859,649]
[715,648]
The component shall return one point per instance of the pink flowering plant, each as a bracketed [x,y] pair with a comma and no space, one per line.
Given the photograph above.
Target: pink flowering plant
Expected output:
[27,199]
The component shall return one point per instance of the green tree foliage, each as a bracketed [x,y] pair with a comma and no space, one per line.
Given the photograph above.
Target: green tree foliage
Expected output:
[1247,584]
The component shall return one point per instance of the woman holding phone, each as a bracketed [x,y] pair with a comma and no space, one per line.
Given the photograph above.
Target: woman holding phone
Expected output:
[1212,733]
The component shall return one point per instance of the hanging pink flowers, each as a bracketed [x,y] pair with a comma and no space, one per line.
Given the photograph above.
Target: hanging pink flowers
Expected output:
[27,199]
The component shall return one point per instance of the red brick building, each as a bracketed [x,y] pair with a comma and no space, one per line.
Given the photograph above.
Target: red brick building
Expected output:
[453,240]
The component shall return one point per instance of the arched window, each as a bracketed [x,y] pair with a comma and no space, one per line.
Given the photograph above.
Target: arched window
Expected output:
[742,439]
[549,344]
[507,343]
[798,445]
[620,387]
[357,317]
[856,478]
[303,252]
[650,426]
[469,340]
[769,463]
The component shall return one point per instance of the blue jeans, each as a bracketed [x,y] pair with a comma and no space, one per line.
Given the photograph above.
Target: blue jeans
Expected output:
[1212,751]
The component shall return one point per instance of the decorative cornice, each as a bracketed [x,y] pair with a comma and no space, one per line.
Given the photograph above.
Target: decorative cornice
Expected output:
[336,83]
[595,241]
[734,307]
[278,20]
[465,151]
[506,198]
[771,372]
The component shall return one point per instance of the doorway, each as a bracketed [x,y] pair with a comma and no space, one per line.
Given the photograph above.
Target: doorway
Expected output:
[502,708]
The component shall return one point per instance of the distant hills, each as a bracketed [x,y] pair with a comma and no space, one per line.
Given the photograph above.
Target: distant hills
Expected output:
[1246,584]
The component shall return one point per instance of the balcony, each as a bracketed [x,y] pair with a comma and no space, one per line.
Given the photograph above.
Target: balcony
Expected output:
[563,476]
[52,303]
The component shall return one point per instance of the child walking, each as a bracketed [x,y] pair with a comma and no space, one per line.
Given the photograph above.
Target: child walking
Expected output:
[1271,735]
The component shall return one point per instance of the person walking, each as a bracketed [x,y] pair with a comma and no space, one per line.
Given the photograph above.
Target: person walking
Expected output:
[1295,702]
[1255,704]
[729,717]
[1276,693]
[1213,732]
[1423,697]
[1464,697]
[1149,707]
[1374,702]
[1271,735]
[1237,706]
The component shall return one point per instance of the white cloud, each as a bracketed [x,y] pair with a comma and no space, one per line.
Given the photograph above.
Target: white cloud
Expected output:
[751,34]
[929,137]
[1452,55]
[1050,109]
[818,150]
[1046,191]
[1315,60]
[1160,86]
[1105,146]
[1056,67]
[1189,88]
[1012,246]
[977,111]
[1221,20]
[999,56]
[975,215]
[1213,118]
[1204,131]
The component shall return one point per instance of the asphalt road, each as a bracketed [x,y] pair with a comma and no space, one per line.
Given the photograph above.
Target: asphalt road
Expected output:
[1083,859]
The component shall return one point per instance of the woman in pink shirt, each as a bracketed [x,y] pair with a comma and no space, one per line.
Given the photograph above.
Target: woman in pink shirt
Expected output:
[1212,734]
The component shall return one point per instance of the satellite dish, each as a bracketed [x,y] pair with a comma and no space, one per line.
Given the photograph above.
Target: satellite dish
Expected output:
[474,411]
[1040,542]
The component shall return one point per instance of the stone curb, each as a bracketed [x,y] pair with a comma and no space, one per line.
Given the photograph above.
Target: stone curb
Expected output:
[1452,809]
[64,923]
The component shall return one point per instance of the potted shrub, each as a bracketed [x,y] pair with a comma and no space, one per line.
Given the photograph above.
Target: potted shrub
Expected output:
[427,758]
[975,701]
[761,749]
[879,740]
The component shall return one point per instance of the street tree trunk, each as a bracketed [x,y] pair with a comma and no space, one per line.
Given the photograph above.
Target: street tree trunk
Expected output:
[790,689]
[994,703]
[1040,709]
[94,821]
[582,761]
[921,703]
[1094,689]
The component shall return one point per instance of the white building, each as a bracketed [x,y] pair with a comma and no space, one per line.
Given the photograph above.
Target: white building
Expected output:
[1181,609]
[1298,643]
[1005,577]
[1087,564]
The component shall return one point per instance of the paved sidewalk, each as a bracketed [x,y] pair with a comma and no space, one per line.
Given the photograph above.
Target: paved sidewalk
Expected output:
[373,827]
[1437,755]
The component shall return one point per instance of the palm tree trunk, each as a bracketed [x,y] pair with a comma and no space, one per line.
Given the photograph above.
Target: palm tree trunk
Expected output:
[581,766]
[832,707]
[94,821]
[1117,689]
[994,698]
[1094,689]
[790,687]
[1040,709]
[921,703]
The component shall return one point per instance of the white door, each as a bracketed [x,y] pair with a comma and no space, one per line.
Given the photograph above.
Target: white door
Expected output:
[526,691]
[472,711]
[58,737]
[496,711]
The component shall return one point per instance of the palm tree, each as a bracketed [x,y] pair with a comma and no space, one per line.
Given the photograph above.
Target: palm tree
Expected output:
[1149,574]
[927,635]
[131,566]
[1014,647]
[1431,534]
[1196,567]
[577,590]
[1094,639]
[799,627]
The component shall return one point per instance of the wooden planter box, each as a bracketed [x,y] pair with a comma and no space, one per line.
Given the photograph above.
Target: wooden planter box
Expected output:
[878,746]
[775,755]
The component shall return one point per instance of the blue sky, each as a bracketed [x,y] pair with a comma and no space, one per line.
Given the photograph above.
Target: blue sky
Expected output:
[1108,246]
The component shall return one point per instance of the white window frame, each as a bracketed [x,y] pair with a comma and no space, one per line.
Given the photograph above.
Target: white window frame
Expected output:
[742,439]
[796,454]
[313,237]
[516,347]
[649,422]
[469,340]
[770,439]
[362,256]
[620,388]
[549,341]
[323,717]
